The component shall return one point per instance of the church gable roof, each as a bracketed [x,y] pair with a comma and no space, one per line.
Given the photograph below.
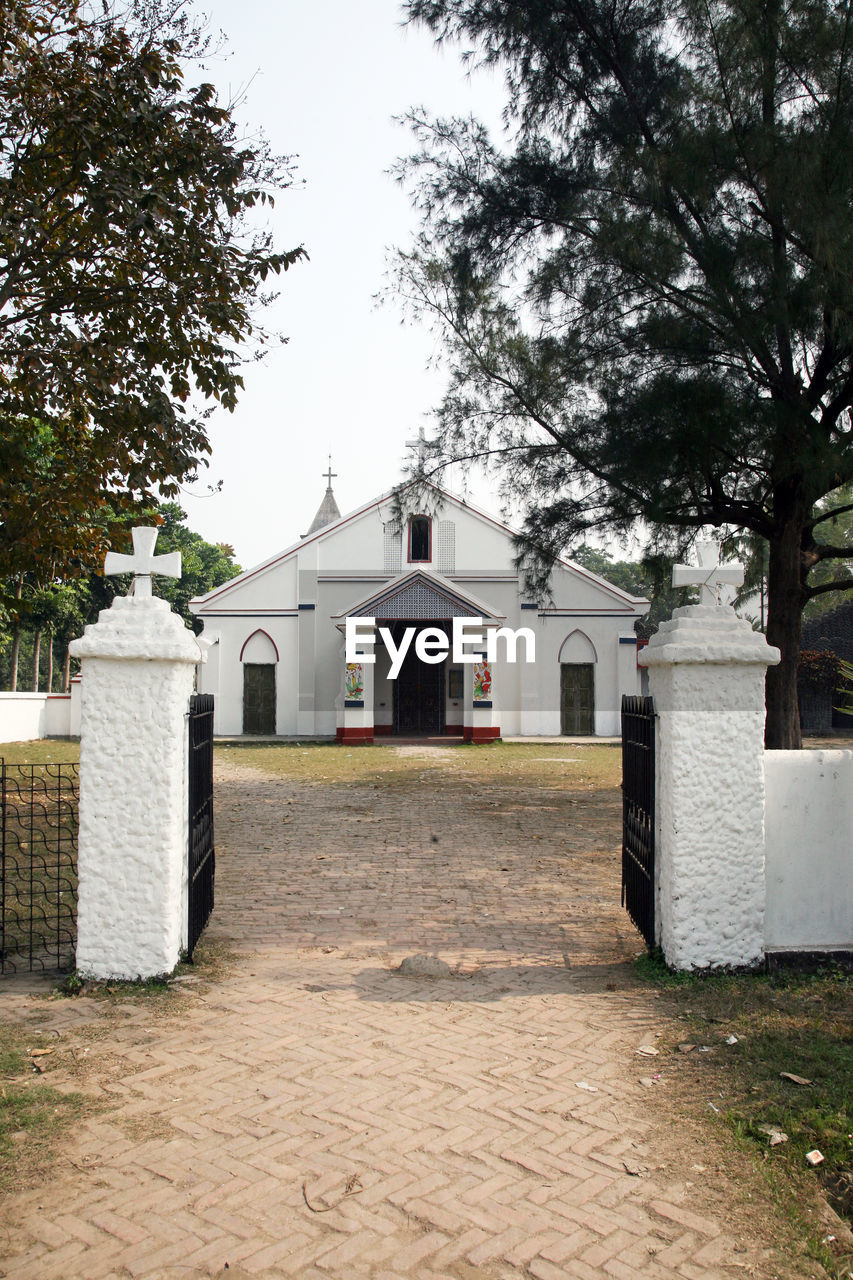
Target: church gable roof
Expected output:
[343,525]
[419,595]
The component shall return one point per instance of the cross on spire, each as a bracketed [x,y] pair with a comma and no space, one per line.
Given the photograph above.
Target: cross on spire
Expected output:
[143,562]
[330,474]
[422,446]
[710,575]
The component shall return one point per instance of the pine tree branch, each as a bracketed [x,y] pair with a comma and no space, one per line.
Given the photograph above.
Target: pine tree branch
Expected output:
[838,584]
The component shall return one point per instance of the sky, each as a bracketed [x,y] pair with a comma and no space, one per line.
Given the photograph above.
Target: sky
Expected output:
[324,83]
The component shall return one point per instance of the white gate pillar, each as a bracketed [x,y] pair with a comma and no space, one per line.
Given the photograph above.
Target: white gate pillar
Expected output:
[706,675]
[137,676]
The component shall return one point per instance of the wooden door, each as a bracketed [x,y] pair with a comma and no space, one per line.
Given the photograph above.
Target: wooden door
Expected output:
[577,698]
[259,697]
[419,696]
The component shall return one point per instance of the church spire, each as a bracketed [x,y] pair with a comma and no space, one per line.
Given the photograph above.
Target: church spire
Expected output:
[328,510]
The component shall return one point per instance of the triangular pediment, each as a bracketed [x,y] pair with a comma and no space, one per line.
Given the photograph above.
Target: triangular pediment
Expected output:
[421,597]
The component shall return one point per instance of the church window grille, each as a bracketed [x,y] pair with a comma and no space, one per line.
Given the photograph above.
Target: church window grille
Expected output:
[420,539]
[393,549]
[418,601]
[446,546]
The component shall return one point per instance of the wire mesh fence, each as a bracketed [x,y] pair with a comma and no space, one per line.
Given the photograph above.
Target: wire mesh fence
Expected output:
[38,866]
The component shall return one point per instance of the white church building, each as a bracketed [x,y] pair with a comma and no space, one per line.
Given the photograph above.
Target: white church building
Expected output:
[277,659]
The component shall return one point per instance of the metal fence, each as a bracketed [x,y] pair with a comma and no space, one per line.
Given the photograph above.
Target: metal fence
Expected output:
[202,859]
[638,813]
[38,866]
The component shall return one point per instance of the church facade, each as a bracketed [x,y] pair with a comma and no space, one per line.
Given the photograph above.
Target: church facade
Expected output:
[276,635]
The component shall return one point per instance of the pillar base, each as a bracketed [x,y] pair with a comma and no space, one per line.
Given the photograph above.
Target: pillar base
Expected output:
[347,734]
[481,733]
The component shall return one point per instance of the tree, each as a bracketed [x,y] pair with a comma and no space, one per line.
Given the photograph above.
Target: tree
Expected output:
[55,516]
[129,278]
[62,609]
[651,577]
[645,295]
[835,529]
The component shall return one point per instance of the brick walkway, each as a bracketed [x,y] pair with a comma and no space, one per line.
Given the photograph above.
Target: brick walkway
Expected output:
[317,1114]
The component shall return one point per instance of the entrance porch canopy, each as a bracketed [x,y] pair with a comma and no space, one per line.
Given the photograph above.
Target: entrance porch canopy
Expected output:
[415,597]
[418,596]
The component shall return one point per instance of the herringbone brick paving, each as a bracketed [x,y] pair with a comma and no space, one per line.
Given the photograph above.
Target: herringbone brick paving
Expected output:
[317,1114]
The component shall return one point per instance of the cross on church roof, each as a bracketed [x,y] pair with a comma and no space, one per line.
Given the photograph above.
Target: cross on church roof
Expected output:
[422,445]
[330,474]
[143,562]
[709,575]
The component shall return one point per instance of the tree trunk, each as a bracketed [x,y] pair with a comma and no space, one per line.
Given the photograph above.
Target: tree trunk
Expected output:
[16,638]
[784,626]
[36,659]
[66,669]
[49,685]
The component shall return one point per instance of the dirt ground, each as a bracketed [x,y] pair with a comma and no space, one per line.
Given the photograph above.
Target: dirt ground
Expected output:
[299,1106]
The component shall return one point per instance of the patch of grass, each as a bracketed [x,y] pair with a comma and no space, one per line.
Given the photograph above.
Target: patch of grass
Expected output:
[33,1114]
[563,766]
[652,968]
[42,751]
[790,1022]
[209,965]
[74,984]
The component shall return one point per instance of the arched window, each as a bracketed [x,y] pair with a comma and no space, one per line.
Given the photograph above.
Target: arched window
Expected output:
[420,539]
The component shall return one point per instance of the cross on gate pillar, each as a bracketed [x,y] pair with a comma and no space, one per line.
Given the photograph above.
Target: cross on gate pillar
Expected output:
[706,675]
[137,666]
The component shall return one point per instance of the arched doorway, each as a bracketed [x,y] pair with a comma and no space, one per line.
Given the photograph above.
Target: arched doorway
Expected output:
[259,656]
[577,685]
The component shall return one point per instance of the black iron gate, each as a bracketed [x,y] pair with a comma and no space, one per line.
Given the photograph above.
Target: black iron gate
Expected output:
[202,862]
[638,813]
[38,866]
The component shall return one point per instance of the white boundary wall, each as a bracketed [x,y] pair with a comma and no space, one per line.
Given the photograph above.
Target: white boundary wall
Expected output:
[808,843]
[27,716]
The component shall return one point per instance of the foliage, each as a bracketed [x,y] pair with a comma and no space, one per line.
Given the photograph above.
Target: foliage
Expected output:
[129,276]
[819,667]
[650,577]
[65,608]
[845,671]
[644,294]
[836,529]
[54,514]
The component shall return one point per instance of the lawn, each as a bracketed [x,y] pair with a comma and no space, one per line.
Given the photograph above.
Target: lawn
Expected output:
[33,1114]
[41,751]
[567,766]
[788,1071]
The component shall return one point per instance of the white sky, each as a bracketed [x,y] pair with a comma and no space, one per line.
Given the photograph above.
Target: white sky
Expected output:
[324,83]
